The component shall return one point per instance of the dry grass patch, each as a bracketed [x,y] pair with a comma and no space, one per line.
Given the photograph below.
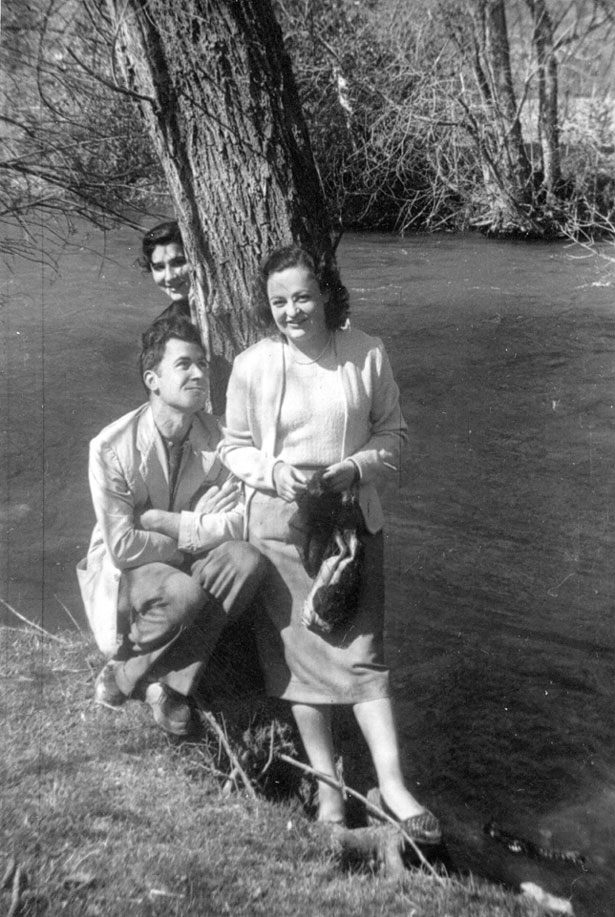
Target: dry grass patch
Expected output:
[105,817]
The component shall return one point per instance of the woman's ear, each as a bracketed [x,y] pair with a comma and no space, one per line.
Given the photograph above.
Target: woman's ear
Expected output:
[150,379]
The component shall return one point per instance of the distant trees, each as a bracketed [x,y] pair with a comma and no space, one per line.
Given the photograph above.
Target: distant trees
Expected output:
[514,113]
[480,33]
[448,114]
[422,115]
[72,146]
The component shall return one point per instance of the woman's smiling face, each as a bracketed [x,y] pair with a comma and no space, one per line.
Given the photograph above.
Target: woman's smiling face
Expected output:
[170,270]
[297,304]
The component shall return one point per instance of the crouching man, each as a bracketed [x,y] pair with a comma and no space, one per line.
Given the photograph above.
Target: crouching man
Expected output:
[166,567]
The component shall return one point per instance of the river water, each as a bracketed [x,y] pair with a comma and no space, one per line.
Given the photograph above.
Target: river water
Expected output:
[500,524]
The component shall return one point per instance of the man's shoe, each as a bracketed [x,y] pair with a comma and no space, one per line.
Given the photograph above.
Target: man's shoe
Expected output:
[106,690]
[172,711]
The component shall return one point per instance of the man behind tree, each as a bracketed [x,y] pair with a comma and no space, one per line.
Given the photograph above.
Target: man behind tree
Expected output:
[166,568]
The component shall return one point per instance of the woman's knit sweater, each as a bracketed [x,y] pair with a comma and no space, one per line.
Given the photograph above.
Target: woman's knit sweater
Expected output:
[373,429]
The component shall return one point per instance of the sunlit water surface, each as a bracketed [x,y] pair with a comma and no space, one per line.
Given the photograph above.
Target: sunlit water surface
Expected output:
[500,523]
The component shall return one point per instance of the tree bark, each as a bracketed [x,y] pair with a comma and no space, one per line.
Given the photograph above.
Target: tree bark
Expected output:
[219,99]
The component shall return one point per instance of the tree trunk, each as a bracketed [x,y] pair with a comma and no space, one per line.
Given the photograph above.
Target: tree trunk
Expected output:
[506,166]
[542,39]
[219,99]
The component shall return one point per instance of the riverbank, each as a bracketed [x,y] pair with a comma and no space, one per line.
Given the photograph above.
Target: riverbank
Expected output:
[102,815]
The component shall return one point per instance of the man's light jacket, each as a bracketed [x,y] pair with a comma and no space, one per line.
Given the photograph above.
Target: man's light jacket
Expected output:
[128,473]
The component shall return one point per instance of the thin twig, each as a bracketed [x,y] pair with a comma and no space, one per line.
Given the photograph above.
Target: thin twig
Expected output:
[236,766]
[18,881]
[376,810]
[270,758]
[8,873]
[70,615]
[32,623]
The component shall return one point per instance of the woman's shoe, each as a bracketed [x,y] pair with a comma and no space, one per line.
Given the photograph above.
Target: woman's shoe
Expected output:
[423,828]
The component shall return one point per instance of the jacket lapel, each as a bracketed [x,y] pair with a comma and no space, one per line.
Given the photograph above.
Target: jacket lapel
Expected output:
[153,461]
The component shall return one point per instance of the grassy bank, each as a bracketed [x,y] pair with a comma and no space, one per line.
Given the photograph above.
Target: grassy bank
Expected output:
[102,815]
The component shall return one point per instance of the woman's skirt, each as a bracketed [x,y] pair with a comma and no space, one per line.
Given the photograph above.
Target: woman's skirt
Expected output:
[304,665]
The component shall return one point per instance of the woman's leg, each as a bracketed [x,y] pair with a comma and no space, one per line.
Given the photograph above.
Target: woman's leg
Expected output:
[375,719]
[314,724]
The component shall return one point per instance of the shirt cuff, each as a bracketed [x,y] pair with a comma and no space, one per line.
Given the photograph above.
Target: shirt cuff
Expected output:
[186,539]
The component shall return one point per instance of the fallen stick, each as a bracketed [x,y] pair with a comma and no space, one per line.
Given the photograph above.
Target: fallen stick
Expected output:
[369,805]
[236,766]
[32,623]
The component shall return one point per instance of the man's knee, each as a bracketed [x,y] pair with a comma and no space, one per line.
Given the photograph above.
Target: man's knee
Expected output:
[160,600]
[185,596]
[180,600]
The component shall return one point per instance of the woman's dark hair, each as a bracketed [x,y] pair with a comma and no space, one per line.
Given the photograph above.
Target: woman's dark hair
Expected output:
[162,234]
[154,340]
[337,306]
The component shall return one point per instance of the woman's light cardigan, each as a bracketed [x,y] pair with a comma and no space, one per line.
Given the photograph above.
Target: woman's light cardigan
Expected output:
[374,428]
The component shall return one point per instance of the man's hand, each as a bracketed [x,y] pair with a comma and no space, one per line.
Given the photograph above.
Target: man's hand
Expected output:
[288,481]
[220,499]
[158,520]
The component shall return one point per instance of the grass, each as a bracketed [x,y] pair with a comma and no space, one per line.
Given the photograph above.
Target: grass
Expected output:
[105,816]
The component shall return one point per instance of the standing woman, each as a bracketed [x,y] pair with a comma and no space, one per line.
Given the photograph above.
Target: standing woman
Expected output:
[164,257]
[316,397]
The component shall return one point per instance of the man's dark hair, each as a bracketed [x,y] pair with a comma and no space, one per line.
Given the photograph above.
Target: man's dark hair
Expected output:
[162,234]
[337,307]
[154,340]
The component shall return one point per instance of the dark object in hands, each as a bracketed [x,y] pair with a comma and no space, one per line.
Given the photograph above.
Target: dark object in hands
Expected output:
[331,552]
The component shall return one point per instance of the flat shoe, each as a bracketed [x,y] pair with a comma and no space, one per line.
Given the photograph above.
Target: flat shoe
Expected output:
[423,828]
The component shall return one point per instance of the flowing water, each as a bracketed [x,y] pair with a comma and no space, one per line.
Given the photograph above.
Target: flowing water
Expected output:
[500,526]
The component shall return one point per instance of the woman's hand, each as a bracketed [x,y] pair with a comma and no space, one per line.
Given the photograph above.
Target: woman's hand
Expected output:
[220,499]
[288,481]
[340,477]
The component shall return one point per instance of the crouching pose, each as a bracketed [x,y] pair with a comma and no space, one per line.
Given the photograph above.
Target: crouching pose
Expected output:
[166,567]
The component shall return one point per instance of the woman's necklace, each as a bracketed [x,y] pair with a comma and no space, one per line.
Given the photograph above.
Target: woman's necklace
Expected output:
[309,362]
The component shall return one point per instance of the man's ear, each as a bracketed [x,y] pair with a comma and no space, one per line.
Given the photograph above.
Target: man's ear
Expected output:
[150,379]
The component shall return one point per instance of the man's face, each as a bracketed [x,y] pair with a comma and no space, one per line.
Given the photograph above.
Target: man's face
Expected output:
[181,377]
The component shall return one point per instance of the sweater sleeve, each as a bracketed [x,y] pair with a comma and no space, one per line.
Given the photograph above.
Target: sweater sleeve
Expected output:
[241,448]
[388,429]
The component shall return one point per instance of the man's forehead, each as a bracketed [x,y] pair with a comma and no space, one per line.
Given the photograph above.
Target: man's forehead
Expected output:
[176,348]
